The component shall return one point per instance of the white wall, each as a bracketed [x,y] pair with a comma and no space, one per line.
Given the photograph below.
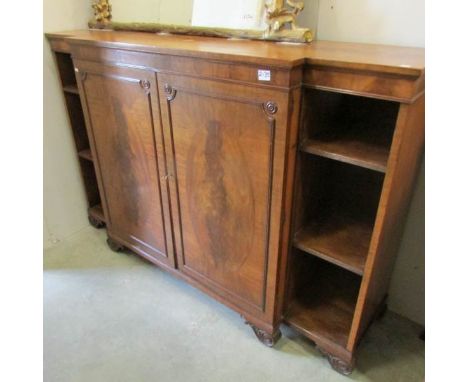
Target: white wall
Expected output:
[308,18]
[64,199]
[156,11]
[398,22]
[407,285]
[246,14]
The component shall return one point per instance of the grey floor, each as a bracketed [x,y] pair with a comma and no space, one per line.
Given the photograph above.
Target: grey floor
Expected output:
[114,317]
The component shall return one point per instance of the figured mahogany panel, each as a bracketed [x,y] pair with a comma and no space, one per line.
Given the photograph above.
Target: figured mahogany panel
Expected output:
[223,147]
[120,114]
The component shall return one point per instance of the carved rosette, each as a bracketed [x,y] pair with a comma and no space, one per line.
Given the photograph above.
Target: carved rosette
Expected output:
[270,108]
[265,338]
[342,367]
[145,84]
[170,92]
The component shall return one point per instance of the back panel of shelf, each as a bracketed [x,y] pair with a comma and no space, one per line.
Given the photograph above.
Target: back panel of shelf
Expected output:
[77,122]
[335,210]
[65,68]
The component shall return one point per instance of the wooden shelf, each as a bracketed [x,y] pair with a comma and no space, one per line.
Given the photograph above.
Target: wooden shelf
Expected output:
[338,240]
[97,212]
[349,150]
[323,309]
[85,154]
[72,89]
[348,128]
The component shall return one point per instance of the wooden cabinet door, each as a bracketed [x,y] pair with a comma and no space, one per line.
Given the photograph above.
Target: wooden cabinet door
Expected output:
[225,185]
[122,113]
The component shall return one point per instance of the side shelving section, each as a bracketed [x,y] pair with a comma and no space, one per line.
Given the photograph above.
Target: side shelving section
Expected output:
[345,141]
[77,123]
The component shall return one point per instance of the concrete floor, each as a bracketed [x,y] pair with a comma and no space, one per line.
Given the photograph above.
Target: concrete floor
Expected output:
[114,317]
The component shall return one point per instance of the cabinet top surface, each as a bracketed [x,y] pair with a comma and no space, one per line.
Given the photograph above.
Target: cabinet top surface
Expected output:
[379,58]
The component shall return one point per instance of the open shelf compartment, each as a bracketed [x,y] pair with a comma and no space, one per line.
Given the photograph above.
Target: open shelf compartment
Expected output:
[347,128]
[66,70]
[322,299]
[336,205]
[77,121]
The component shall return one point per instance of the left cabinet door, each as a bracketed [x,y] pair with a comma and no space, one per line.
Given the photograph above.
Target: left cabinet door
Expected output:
[122,116]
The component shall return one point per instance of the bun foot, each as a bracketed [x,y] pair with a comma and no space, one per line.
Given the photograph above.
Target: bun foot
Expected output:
[265,338]
[337,364]
[114,246]
[96,223]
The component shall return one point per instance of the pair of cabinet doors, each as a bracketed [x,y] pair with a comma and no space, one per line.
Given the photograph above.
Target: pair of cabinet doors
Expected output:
[190,173]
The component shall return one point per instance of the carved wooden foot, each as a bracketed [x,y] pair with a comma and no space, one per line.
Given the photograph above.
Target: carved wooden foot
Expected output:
[265,338]
[113,245]
[96,223]
[337,364]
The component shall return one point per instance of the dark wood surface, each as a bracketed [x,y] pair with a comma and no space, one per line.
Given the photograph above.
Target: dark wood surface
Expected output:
[282,199]
[75,113]
[323,305]
[90,182]
[350,129]
[224,139]
[349,149]
[339,240]
[338,214]
[121,121]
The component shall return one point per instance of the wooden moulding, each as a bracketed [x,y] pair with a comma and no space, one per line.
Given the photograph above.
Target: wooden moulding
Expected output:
[298,35]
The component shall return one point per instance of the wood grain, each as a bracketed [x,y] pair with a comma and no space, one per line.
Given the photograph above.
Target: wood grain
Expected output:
[223,147]
[323,306]
[349,149]
[273,197]
[123,129]
[342,241]
[368,57]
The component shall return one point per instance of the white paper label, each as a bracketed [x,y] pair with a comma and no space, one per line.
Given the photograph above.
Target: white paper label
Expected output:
[264,75]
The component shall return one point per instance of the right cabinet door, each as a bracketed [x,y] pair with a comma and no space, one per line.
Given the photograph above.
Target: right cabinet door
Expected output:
[226,155]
